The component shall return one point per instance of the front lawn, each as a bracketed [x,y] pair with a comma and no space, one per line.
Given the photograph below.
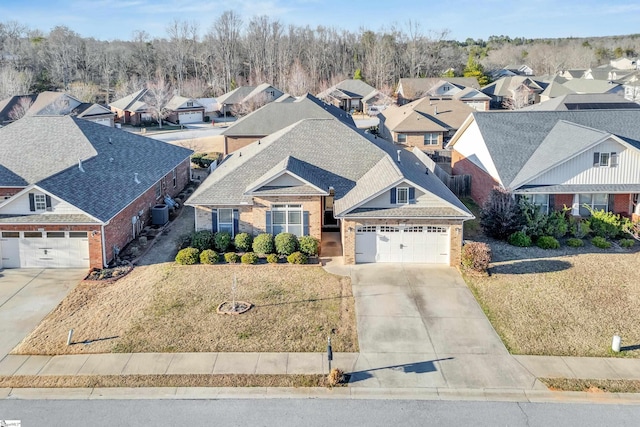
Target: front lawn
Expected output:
[562,302]
[171,308]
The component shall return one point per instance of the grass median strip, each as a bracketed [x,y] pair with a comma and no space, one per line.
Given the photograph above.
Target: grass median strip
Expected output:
[593,386]
[91,381]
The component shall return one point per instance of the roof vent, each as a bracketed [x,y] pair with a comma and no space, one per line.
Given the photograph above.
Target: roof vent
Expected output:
[398,156]
[435,110]
[109,140]
[135,178]
[80,165]
[240,154]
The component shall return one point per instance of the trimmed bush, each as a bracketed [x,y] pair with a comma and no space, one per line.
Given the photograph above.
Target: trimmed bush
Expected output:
[243,242]
[222,241]
[297,258]
[519,238]
[308,245]
[500,215]
[202,240]
[286,243]
[208,256]
[575,242]
[557,225]
[579,227]
[249,258]
[263,244]
[231,257]
[187,256]
[606,224]
[476,256]
[272,259]
[534,221]
[600,242]
[627,243]
[547,242]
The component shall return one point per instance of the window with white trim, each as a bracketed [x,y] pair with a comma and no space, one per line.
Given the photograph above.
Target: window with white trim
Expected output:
[225,221]
[189,103]
[431,138]
[605,159]
[286,219]
[402,138]
[596,202]
[541,200]
[402,195]
[40,202]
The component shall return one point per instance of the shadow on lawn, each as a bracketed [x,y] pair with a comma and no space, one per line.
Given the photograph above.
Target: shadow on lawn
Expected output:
[630,347]
[531,267]
[94,340]
[300,301]
[407,368]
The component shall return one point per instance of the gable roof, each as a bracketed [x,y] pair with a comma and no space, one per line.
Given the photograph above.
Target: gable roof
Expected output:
[414,87]
[110,159]
[176,101]
[325,152]
[512,138]
[277,115]
[353,87]
[584,101]
[427,115]
[506,85]
[243,93]
[590,86]
[127,103]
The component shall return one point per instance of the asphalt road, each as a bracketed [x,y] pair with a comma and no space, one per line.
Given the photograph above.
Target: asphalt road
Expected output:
[312,412]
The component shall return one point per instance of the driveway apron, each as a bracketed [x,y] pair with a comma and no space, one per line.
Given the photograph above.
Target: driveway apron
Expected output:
[27,296]
[420,326]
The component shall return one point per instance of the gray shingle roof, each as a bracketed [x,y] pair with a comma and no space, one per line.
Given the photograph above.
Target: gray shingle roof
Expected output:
[356,165]
[127,102]
[590,86]
[580,188]
[47,218]
[584,101]
[299,190]
[413,87]
[110,158]
[513,137]
[277,115]
[407,212]
[426,115]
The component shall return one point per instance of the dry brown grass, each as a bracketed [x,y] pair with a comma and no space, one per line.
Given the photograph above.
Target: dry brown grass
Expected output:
[565,302]
[207,144]
[171,308]
[235,380]
[592,386]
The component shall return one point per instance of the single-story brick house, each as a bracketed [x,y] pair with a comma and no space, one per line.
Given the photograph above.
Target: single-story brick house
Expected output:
[73,193]
[321,173]
[557,158]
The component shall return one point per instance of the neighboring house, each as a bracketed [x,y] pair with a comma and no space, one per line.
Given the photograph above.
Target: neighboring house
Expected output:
[632,91]
[557,158]
[514,92]
[554,89]
[584,101]
[355,95]
[425,123]
[577,73]
[276,116]
[74,193]
[624,63]
[259,95]
[53,103]
[593,86]
[321,173]
[474,98]
[210,105]
[510,71]
[184,110]
[409,89]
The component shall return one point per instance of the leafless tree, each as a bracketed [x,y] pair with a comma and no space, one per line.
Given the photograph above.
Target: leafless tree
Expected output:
[225,41]
[13,82]
[249,105]
[21,108]
[158,94]
[85,92]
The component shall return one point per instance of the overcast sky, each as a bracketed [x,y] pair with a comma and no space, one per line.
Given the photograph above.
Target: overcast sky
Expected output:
[117,19]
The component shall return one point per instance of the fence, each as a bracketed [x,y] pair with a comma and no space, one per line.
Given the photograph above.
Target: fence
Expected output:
[460,185]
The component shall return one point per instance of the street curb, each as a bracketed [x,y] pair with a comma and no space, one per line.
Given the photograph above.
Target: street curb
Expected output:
[354,393]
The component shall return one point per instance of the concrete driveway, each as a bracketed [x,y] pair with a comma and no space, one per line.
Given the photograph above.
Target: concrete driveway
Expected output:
[27,296]
[420,326]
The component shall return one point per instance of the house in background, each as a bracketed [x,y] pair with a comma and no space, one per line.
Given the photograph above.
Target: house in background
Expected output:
[624,63]
[410,89]
[53,103]
[593,86]
[426,123]
[276,116]
[514,92]
[90,196]
[510,71]
[251,97]
[318,173]
[210,105]
[474,98]
[184,110]
[354,95]
[584,101]
[556,158]
[572,73]
[133,109]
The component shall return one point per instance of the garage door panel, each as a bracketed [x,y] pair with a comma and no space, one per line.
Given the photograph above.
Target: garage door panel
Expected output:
[10,250]
[191,117]
[55,249]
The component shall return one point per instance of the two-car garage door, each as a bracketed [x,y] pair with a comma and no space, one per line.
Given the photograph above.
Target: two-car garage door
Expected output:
[409,243]
[190,117]
[44,249]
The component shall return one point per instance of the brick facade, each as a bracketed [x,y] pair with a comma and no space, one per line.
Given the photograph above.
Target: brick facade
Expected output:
[622,204]
[562,200]
[234,143]
[417,140]
[348,233]
[6,192]
[481,182]
[119,231]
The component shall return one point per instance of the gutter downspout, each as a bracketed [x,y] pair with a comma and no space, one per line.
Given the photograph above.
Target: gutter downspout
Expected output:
[104,250]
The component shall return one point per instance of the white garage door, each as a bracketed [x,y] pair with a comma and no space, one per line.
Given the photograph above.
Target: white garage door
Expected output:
[479,105]
[105,122]
[409,243]
[192,117]
[44,249]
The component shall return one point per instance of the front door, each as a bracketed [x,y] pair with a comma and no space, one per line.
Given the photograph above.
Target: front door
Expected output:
[328,220]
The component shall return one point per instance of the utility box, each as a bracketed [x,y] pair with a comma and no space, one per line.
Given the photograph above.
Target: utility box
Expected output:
[159,214]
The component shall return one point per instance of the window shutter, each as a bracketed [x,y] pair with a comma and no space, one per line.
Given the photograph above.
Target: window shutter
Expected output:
[552,202]
[32,203]
[48,202]
[305,223]
[268,222]
[393,196]
[214,220]
[412,195]
[596,159]
[610,203]
[236,217]
[614,160]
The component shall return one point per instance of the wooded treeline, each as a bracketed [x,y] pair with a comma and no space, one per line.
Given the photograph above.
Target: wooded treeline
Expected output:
[234,51]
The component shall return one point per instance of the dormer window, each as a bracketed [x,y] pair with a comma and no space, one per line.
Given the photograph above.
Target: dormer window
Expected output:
[402,196]
[189,103]
[40,202]
[605,159]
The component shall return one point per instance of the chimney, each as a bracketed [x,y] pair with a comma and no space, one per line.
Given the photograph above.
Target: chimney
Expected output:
[135,178]
[398,156]
[80,165]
